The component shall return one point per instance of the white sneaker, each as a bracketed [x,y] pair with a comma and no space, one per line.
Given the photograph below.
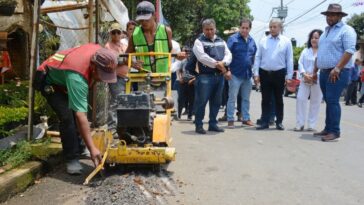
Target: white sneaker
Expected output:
[298,129]
[85,154]
[74,167]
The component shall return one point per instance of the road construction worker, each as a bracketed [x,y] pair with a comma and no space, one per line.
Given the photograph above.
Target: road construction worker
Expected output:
[64,79]
[150,37]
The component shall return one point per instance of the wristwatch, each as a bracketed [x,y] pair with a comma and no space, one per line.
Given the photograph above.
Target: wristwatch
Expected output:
[337,70]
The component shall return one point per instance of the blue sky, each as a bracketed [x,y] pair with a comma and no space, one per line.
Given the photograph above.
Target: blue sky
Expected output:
[262,9]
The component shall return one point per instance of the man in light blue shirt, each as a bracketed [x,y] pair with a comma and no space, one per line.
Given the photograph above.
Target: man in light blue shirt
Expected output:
[336,47]
[273,66]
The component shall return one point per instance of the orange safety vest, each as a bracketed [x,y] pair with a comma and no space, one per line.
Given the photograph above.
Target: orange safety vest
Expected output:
[76,59]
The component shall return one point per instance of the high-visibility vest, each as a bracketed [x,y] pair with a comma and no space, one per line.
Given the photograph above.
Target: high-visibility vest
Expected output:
[152,63]
[76,59]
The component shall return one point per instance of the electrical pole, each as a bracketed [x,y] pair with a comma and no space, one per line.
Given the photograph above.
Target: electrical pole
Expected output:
[282,12]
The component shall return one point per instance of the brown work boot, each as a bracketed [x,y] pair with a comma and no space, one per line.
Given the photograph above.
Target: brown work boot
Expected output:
[248,122]
[330,137]
[231,125]
[322,133]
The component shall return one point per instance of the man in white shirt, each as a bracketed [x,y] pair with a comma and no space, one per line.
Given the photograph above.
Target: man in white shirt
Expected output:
[213,56]
[273,66]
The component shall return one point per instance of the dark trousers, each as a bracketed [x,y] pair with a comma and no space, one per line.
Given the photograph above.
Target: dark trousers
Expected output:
[71,142]
[272,83]
[361,100]
[351,93]
[186,96]
[272,110]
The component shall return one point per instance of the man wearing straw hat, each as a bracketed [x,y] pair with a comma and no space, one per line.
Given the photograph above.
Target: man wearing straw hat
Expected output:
[336,47]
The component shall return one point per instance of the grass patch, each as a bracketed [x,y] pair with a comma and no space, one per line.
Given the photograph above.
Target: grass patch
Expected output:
[15,156]
[19,154]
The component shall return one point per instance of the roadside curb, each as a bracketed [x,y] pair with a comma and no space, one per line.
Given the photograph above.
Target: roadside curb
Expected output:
[19,179]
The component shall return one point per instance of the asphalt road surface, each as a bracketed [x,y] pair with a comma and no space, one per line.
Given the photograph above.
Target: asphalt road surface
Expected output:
[240,166]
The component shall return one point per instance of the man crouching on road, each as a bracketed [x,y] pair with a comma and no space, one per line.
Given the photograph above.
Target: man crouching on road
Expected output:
[69,75]
[213,56]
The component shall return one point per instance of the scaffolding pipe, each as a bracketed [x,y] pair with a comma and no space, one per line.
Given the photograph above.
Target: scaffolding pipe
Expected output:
[33,65]
[97,26]
[90,20]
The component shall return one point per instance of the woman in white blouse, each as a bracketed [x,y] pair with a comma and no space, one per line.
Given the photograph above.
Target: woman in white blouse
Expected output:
[309,89]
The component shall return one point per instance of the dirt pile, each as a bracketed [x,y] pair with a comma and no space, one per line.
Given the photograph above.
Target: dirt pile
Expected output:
[142,187]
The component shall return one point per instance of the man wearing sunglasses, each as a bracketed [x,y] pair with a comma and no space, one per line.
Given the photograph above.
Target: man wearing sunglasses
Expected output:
[115,44]
[151,37]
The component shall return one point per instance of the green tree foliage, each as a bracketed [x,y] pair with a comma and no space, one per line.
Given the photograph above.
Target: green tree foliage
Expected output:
[48,40]
[357,22]
[227,13]
[296,54]
[185,17]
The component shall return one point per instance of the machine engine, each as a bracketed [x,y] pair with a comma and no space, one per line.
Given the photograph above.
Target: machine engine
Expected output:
[135,114]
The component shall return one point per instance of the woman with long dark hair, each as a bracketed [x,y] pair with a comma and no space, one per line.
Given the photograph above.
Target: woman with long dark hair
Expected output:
[309,88]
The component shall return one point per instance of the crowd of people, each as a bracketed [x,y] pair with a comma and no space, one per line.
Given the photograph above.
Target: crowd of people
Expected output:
[325,68]
[206,72]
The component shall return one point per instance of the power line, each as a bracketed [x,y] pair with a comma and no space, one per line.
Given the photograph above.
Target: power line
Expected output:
[317,15]
[290,2]
[298,17]
[266,22]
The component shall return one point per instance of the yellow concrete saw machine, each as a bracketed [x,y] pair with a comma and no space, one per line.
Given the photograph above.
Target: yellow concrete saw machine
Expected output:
[143,120]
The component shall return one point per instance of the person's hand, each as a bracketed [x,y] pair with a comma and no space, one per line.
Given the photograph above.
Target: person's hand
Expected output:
[314,77]
[227,75]
[138,64]
[256,80]
[181,55]
[288,81]
[307,78]
[190,82]
[96,156]
[220,66]
[334,75]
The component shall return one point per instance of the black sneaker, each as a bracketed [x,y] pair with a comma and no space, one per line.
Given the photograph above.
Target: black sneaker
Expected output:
[279,126]
[200,130]
[259,121]
[216,129]
[262,126]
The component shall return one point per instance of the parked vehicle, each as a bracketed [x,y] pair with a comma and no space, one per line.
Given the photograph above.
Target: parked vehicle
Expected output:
[293,86]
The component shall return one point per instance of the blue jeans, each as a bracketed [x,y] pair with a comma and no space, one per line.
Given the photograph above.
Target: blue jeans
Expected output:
[331,93]
[244,86]
[208,88]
